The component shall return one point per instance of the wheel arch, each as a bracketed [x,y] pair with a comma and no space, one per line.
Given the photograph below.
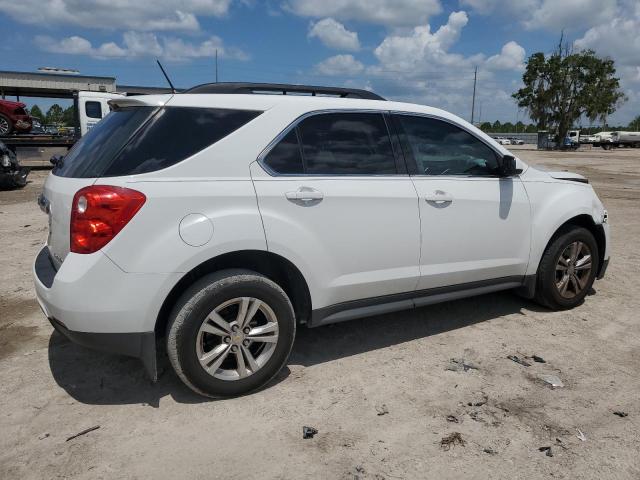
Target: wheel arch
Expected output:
[273,266]
[585,221]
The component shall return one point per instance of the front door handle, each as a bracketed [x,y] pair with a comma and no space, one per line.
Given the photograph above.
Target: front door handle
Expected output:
[305,195]
[439,198]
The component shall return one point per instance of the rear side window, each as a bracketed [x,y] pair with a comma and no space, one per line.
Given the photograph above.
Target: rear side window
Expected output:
[347,144]
[138,140]
[286,157]
[93,109]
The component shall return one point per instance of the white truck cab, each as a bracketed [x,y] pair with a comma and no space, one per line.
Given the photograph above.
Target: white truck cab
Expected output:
[93,107]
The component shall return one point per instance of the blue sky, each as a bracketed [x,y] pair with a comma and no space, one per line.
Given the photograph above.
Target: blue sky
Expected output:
[423,51]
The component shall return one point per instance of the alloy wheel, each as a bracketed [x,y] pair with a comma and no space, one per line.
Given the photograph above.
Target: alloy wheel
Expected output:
[237,338]
[573,269]
[4,126]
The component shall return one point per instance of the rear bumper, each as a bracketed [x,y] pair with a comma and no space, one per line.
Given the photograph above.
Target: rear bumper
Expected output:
[138,345]
[95,304]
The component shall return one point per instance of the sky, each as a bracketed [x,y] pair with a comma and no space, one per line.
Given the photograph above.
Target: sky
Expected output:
[422,51]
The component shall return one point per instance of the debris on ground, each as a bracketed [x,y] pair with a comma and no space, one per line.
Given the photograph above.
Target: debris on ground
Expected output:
[547,451]
[560,443]
[581,436]
[454,438]
[382,409]
[83,432]
[460,365]
[552,380]
[515,358]
[308,432]
[621,414]
[538,359]
[479,403]
[43,436]
[452,419]
[490,451]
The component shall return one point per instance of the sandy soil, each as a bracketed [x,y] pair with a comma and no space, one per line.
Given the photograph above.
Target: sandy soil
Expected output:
[338,379]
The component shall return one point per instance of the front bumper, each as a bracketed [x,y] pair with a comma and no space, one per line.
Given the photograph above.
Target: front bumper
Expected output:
[93,303]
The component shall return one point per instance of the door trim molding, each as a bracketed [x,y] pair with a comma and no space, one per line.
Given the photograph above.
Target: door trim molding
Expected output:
[367,307]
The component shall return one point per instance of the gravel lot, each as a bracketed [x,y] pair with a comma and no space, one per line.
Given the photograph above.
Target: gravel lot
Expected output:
[341,377]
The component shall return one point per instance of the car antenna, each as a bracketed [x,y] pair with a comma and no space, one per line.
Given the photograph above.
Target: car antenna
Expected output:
[173,89]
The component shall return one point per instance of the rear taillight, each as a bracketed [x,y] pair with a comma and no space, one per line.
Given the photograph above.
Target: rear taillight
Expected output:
[98,213]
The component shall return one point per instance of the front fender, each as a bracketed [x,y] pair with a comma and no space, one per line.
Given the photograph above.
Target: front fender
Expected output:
[552,205]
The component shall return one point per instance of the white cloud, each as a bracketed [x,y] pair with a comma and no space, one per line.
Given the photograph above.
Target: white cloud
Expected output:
[383,12]
[147,15]
[511,57]
[421,47]
[420,65]
[554,15]
[340,65]
[141,44]
[333,34]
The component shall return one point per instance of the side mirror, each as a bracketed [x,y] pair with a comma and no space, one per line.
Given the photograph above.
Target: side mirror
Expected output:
[508,166]
[56,159]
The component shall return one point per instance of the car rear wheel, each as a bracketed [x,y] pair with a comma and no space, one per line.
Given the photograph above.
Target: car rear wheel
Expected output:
[568,269]
[230,333]
[5,125]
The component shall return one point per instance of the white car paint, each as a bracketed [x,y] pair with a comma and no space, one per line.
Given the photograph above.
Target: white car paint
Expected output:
[367,237]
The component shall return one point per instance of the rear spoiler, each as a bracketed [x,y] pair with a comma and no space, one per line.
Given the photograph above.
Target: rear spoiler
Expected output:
[117,103]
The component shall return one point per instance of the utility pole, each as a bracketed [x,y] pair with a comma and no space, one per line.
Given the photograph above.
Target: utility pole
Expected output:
[216,65]
[473,102]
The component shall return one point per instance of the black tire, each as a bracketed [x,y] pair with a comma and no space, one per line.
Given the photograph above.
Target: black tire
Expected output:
[191,311]
[547,291]
[6,127]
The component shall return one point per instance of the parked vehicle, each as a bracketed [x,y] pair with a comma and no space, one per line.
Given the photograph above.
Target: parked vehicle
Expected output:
[36,127]
[516,141]
[14,118]
[625,139]
[12,174]
[51,130]
[221,222]
[503,141]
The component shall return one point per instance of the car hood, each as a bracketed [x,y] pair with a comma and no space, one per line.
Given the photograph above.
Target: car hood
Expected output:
[10,104]
[541,174]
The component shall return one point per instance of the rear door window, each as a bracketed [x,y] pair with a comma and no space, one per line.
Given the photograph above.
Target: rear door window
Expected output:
[134,140]
[347,144]
[285,157]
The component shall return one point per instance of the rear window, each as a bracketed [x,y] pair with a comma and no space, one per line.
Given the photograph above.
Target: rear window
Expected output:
[136,140]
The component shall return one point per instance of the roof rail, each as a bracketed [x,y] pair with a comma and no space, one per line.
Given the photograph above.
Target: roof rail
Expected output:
[282,89]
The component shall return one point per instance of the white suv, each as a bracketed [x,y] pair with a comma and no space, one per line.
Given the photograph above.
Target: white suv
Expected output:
[221,218]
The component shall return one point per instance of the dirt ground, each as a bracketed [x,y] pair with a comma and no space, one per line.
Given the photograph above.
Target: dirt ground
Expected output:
[340,379]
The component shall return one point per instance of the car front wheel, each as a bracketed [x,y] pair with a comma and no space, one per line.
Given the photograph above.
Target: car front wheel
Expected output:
[5,125]
[230,333]
[567,269]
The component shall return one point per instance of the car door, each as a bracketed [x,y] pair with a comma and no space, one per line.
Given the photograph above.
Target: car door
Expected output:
[475,224]
[336,201]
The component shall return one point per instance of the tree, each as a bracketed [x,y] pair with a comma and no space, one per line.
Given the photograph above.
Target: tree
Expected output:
[54,114]
[496,127]
[564,86]
[68,117]
[634,125]
[35,112]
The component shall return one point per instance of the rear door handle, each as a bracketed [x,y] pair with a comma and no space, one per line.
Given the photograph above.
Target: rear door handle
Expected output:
[439,197]
[304,195]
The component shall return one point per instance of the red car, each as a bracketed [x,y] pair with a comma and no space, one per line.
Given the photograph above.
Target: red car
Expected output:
[14,117]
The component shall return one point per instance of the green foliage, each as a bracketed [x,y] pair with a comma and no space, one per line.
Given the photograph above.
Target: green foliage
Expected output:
[54,114]
[561,88]
[35,112]
[68,116]
[634,125]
